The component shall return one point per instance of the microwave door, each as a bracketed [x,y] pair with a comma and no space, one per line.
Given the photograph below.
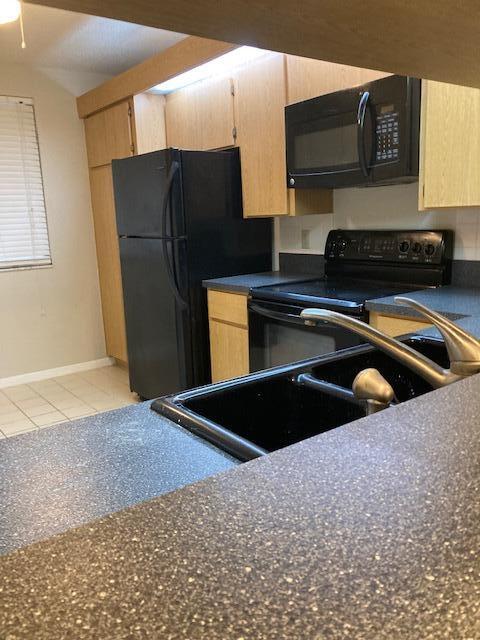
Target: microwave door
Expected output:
[332,150]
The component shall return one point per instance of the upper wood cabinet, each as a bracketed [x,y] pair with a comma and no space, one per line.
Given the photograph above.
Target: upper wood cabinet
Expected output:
[109,134]
[201,116]
[149,122]
[309,78]
[260,92]
[449,146]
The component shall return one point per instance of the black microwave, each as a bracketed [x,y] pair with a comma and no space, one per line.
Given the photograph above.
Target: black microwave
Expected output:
[366,135]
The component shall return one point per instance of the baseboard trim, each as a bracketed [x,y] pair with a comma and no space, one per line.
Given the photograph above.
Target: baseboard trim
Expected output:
[35,376]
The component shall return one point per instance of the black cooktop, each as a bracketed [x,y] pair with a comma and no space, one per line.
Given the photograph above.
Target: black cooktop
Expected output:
[338,292]
[362,265]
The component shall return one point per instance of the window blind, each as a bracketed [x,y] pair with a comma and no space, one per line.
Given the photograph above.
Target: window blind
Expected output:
[23,220]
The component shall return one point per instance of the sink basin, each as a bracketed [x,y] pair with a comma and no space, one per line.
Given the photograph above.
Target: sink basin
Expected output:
[268,410]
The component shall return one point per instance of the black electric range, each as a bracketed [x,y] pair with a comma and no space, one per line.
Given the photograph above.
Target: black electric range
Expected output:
[359,266]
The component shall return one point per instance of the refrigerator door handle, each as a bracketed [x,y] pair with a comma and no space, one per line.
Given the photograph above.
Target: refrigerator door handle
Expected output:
[171,272]
[169,268]
[168,193]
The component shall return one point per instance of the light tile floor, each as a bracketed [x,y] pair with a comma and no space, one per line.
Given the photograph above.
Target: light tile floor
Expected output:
[41,404]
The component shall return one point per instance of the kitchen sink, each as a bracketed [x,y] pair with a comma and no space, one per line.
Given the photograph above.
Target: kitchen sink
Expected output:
[254,415]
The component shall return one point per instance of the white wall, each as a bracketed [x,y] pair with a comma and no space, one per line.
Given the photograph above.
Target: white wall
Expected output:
[51,317]
[381,208]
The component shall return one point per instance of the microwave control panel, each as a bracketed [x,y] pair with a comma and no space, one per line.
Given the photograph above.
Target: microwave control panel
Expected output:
[387,147]
[413,247]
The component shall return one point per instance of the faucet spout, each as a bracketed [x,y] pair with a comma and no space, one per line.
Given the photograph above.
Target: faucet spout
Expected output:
[430,371]
[463,348]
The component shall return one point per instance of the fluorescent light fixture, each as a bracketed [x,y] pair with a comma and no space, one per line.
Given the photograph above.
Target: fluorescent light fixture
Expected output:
[9,11]
[218,67]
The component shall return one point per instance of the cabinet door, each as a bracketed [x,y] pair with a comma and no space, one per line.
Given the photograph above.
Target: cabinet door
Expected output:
[119,131]
[228,322]
[201,116]
[309,78]
[109,134]
[260,94]
[149,118]
[108,261]
[449,146]
[228,350]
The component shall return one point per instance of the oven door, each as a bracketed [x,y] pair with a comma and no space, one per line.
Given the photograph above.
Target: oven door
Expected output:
[278,336]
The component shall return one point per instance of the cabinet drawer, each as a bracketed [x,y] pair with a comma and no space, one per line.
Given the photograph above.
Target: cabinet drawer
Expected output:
[228,307]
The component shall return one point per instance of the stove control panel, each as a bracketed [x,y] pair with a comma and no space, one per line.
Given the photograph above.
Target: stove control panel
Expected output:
[407,247]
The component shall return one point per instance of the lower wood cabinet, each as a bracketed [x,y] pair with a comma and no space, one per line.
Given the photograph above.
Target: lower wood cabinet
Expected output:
[228,323]
[394,325]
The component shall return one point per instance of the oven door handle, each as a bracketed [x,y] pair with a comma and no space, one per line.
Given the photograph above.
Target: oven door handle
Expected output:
[276,315]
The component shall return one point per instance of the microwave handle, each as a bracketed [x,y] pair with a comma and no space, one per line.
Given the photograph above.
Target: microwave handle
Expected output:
[362,110]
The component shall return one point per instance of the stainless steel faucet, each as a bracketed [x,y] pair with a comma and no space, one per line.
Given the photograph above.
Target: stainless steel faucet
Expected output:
[462,347]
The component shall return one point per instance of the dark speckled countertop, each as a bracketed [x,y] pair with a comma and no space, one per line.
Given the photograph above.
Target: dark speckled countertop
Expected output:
[63,476]
[454,302]
[243,283]
[370,531]
[367,532]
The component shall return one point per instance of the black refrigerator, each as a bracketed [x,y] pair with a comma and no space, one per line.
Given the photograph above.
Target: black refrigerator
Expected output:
[180,221]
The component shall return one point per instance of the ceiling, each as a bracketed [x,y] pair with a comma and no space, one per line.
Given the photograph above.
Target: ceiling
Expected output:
[73,41]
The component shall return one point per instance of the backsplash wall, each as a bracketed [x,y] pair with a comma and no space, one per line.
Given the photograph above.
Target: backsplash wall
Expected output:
[379,208]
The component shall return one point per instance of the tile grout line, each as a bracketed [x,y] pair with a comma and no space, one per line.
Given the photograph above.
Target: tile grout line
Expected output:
[48,402]
[38,394]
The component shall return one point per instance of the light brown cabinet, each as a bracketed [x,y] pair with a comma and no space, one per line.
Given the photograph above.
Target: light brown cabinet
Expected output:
[308,78]
[108,261]
[201,116]
[394,325]
[109,134]
[259,116]
[228,324]
[449,146]
[149,122]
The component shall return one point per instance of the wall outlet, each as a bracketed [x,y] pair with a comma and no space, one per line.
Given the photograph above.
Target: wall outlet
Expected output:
[306,239]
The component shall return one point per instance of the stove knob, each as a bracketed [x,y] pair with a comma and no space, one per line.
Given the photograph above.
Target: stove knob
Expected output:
[342,245]
[429,249]
[417,247]
[404,246]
